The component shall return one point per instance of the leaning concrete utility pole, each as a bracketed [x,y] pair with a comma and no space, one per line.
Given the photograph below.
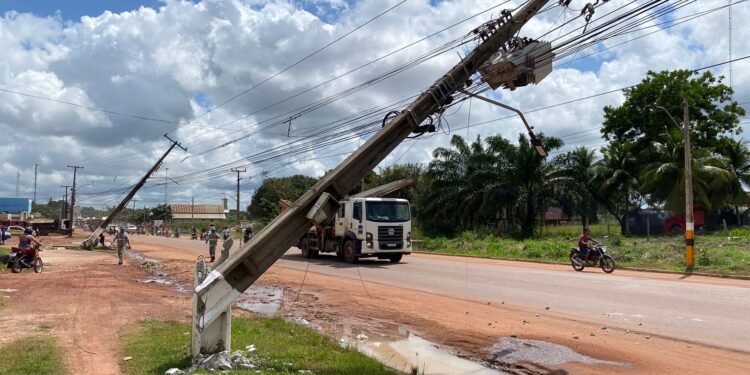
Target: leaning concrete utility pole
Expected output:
[89,242]
[689,221]
[73,197]
[215,291]
[238,196]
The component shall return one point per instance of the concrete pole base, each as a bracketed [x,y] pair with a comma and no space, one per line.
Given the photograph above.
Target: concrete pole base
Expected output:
[216,336]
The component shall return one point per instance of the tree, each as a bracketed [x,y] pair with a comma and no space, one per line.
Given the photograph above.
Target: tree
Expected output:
[637,120]
[265,202]
[738,157]
[571,181]
[162,212]
[617,177]
[530,172]
[664,179]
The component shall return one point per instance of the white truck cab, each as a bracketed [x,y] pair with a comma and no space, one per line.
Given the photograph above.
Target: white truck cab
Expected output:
[364,227]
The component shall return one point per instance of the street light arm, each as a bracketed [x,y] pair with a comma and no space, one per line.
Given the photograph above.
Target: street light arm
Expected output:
[670,117]
[534,140]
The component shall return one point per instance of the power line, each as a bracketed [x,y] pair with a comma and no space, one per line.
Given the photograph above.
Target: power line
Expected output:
[296,63]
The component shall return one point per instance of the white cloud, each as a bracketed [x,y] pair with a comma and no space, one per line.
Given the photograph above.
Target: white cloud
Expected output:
[156,62]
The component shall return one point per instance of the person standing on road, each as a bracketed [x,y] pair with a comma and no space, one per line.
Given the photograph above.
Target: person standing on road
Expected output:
[212,239]
[2,235]
[225,233]
[122,240]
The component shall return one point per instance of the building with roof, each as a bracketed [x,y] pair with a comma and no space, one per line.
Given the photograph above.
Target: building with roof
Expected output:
[185,212]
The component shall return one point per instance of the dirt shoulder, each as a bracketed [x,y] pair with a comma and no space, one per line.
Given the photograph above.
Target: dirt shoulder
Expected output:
[470,327]
[86,300]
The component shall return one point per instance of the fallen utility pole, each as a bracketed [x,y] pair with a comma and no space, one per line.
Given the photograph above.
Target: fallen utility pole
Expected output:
[215,291]
[91,240]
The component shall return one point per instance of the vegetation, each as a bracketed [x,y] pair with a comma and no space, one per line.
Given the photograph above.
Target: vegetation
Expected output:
[265,202]
[34,355]
[715,253]
[282,348]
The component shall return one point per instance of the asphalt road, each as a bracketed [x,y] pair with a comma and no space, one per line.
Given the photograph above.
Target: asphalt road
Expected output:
[706,313]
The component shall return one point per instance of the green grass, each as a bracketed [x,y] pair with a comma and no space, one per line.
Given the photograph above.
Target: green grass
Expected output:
[715,253]
[4,251]
[35,355]
[157,346]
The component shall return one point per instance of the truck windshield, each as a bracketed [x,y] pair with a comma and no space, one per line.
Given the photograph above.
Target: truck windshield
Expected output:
[388,211]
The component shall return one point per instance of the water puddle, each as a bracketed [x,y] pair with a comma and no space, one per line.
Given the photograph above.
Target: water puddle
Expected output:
[426,357]
[262,300]
[514,350]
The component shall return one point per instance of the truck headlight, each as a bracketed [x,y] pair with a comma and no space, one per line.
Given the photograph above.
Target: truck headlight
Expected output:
[408,239]
[368,240]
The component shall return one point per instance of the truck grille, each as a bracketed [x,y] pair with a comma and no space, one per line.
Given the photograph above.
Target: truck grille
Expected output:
[391,241]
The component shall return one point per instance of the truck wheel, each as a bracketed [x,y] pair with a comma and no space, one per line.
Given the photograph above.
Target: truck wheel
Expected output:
[395,258]
[305,247]
[349,255]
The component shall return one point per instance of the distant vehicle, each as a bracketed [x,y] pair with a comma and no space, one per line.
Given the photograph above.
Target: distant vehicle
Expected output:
[132,228]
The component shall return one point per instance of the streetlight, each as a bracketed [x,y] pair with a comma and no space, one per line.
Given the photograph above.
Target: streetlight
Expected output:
[536,142]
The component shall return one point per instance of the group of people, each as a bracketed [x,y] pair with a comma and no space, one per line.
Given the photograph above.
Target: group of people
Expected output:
[212,237]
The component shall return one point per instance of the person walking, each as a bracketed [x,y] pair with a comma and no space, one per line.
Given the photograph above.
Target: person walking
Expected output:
[212,239]
[122,240]
[2,234]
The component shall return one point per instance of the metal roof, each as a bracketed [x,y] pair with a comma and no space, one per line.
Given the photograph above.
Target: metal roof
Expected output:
[200,216]
[197,209]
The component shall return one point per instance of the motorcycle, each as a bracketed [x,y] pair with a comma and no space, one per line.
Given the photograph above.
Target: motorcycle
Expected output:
[598,258]
[25,258]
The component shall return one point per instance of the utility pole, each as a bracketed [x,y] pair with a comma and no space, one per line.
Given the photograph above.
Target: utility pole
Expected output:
[215,290]
[18,184]
[36,166]
[192,211]
[238,196]
[166,182]
[89,242]
[64,207]
[689,222]
[73,196]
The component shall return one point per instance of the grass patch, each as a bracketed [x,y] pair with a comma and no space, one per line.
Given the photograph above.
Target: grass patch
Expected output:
[282,348]
[716,253]
[35,355]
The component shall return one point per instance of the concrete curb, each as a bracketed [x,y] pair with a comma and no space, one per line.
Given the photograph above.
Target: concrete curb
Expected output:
[716,275]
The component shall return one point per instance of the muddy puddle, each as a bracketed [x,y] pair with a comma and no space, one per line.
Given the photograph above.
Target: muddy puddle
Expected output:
[154,268]
[262,300]
[513,350]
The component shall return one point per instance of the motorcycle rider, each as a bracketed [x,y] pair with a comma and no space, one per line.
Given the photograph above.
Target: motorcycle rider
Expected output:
[585,244]
[122,240]
[25,241]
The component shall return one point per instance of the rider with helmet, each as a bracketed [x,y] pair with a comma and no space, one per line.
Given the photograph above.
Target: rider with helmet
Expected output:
[122,240]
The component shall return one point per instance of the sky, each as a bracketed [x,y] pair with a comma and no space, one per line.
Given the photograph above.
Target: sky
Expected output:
[97,84]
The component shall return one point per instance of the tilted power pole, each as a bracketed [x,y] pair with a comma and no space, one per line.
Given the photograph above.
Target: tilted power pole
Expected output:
[89,242]
[215,292]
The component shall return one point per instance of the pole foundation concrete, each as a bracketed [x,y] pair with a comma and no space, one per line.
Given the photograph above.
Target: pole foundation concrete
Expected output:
[216,336]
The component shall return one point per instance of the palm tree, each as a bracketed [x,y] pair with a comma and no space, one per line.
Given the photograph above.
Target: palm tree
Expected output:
[616,175]
[530,172]
[664,179]
[571,181]
[738,156]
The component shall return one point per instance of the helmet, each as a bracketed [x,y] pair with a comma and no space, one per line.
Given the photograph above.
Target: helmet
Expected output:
[28,230]
[213,230]
[122,227]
